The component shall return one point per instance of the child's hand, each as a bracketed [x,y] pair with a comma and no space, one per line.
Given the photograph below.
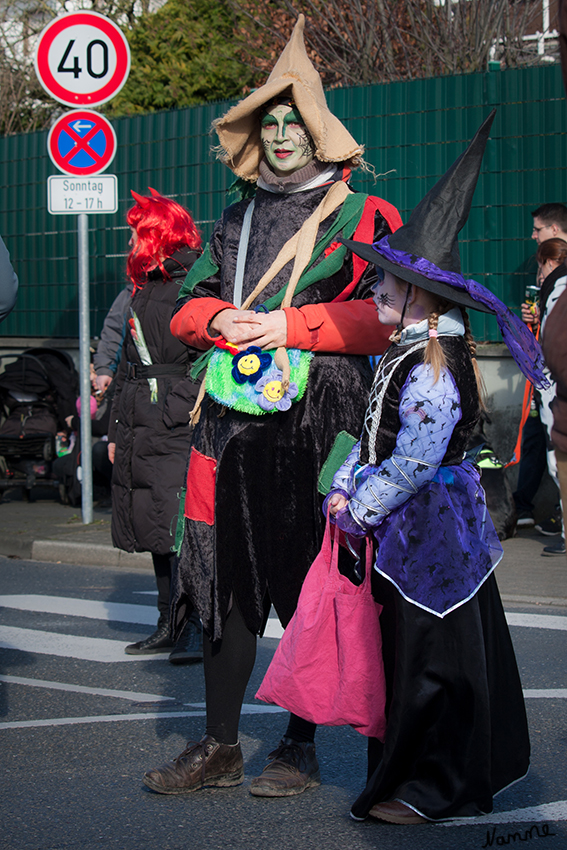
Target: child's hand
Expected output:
[336,503]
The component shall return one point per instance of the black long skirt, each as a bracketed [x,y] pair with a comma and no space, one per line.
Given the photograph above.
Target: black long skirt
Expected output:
[457,729]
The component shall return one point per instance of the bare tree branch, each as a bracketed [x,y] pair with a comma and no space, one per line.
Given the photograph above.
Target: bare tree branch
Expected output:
[355,42]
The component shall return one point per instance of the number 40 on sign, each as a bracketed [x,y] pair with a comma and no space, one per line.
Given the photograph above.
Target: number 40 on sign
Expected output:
[82,59]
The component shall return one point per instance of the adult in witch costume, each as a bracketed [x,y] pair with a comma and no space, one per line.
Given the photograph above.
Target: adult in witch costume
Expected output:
[456,724]
[252,521]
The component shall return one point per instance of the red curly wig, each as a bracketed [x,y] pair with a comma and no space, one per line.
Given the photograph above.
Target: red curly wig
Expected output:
[162,226]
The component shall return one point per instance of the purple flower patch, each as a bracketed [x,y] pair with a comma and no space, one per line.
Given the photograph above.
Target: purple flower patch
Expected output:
[272,394]
[249,365]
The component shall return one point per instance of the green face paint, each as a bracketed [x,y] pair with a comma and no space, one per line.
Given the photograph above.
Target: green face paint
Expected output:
[286,141]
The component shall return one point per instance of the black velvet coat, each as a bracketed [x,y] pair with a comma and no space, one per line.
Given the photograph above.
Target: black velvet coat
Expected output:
[152,440]
[268,523]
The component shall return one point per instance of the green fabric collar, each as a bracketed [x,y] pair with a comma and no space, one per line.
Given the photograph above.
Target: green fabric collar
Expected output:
[347,220]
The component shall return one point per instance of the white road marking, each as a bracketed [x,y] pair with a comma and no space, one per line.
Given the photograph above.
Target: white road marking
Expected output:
[81,689]
[69,606]
[104,718]
[145,615]
[548,693]
[72,646]
[537,621]
[532,814]
[274,629]
[69,646]
[247,708]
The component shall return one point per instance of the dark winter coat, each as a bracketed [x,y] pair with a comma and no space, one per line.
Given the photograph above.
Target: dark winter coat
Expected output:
[260,472]
[152,440]
[555,352]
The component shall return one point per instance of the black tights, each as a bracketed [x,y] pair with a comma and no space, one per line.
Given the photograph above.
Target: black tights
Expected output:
[228,666]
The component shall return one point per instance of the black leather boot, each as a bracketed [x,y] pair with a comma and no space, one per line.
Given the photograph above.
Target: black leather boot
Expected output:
[189,647]
[159,641]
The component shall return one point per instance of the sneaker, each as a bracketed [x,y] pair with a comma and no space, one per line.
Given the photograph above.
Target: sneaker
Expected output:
[550,527]
[293,769]
[204,763]
[557,549]
[159,641]
[525,519]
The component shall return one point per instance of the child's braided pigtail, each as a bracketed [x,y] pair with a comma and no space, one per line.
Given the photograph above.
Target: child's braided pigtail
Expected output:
[434,354]
[470,341]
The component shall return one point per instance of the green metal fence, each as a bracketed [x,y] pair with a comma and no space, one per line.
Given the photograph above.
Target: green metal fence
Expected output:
[412,132]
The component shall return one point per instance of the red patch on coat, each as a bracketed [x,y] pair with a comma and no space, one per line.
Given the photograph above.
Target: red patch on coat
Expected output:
[201,483]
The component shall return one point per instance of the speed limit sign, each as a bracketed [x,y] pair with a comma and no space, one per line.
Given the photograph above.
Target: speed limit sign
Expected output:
[82,59]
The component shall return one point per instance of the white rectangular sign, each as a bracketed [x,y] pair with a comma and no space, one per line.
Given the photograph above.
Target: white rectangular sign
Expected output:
[68,195]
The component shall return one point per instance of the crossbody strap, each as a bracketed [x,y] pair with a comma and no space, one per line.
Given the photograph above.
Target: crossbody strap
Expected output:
[241,257]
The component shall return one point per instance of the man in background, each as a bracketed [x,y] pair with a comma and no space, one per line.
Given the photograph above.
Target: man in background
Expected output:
[550,222]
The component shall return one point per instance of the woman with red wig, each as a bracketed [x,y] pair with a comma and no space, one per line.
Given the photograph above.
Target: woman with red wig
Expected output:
[149,432]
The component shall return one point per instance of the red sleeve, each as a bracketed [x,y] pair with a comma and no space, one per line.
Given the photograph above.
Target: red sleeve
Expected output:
[348,327]
[190,324]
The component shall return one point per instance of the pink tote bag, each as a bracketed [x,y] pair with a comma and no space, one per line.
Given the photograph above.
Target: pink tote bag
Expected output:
[328,666]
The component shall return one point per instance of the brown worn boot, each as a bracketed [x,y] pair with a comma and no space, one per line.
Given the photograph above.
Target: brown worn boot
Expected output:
[293,769]
[394,811]
[202,763]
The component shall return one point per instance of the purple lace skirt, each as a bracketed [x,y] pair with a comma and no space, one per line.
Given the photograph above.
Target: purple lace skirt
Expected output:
[440,546]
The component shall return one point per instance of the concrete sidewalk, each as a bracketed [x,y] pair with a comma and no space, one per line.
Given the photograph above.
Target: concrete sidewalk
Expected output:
[45,530]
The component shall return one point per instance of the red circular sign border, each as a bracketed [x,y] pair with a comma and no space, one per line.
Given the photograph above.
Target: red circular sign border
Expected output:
[87,114]
[111,30]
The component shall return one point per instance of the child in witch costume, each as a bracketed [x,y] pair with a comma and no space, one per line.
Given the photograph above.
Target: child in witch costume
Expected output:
[456,725]
[240,551]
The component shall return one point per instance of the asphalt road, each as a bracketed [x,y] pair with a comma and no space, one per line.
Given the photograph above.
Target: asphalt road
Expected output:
[80,723]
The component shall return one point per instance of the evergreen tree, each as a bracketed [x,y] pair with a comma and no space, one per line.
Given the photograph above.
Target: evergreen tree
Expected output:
[182,55]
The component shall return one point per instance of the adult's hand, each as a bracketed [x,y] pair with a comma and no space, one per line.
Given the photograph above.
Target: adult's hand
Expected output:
[269,329]
[235,326]
[530,314]
[103,382]
[111,451]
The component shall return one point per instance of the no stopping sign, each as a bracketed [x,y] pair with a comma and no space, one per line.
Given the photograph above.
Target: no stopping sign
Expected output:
[82,59]
[81,143]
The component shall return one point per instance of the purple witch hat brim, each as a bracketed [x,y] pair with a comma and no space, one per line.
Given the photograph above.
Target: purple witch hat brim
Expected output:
[415,270]
[453,287]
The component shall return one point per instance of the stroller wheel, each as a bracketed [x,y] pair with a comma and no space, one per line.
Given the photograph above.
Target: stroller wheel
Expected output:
[48,449]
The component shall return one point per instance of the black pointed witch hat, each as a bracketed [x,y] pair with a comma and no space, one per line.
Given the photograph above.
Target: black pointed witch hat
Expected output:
[425,251]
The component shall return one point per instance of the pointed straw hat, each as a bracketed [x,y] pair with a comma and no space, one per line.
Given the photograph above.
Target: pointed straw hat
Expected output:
[239,129]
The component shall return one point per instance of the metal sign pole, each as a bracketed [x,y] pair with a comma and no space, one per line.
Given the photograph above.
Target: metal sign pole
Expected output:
[85,368]
[94,51]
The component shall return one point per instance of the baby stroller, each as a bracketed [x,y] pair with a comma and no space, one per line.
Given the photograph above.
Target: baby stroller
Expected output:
[37,392]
